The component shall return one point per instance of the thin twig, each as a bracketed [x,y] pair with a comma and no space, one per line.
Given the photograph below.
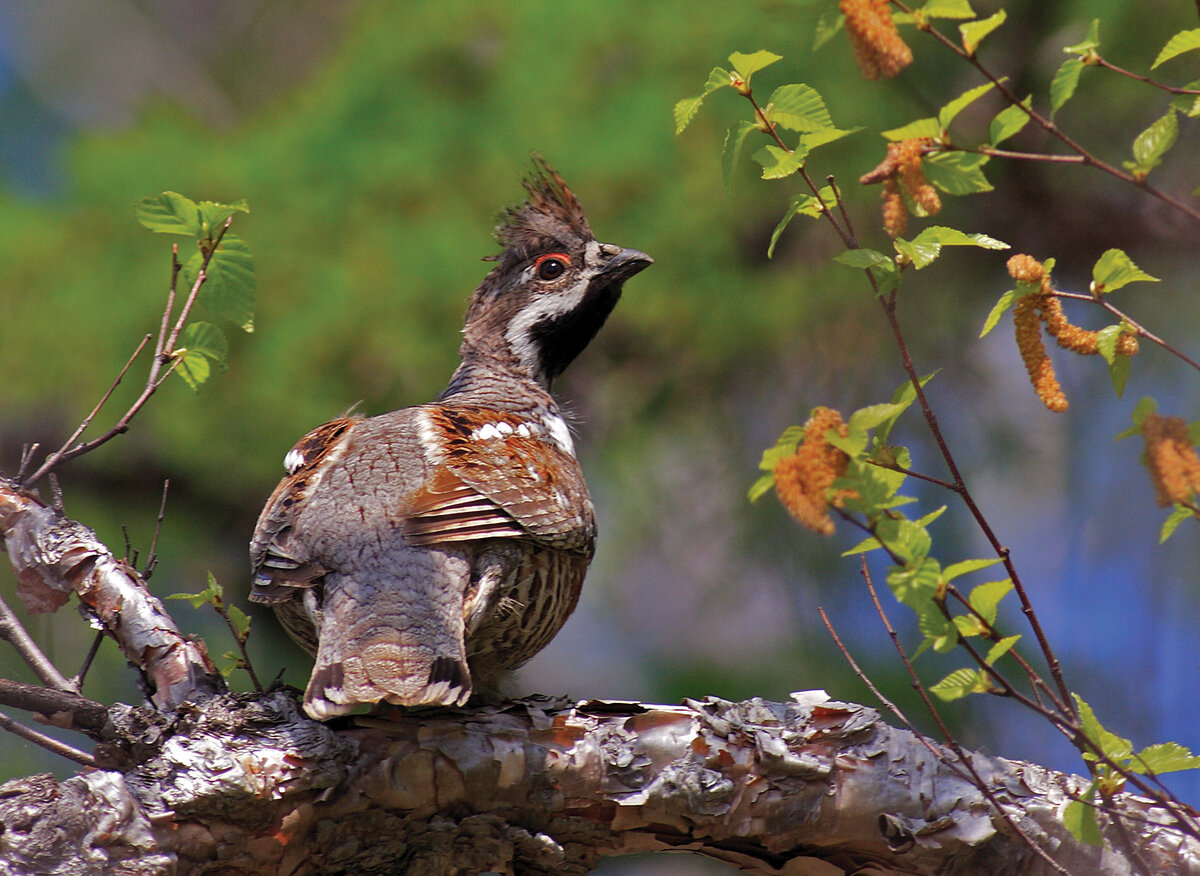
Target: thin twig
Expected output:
[87,661]
[958,750]
[152,559]
[1141,330]
[16,635]
[1100,62]
[47,742]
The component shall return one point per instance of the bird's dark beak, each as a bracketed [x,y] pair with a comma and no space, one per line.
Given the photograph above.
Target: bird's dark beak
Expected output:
[625,264]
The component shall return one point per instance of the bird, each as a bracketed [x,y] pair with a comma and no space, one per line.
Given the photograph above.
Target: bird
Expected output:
[421,555]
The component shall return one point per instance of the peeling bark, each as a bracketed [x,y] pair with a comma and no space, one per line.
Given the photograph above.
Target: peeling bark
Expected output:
[54,556]
[249,785]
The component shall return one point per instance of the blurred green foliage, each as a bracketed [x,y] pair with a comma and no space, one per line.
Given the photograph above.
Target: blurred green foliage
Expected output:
[374,182]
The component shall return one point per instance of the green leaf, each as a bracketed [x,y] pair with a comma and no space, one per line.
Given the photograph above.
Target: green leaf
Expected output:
[998,310]
[746,65]
[1188,104]
[785,445]
[1090,43]
[927,246]
[800,205]
[1153,143]
[1165,757]
[914,130]
[827,26]
[1115,269]
[1062,87]
[1111,745]
[1146,405]
[959,684]
[778,164]
[1080,819]
[240,622]
[686,109]
[1001,648]
[1009,122]
[965,567]
[947,114]
[973,32]
[761,487]
[210,595]
[918,584]
[1184,41]
[213,215]
[1178,514]
[170,213]
[201,345]
[800,108]
[947,9]
[863,258]
[735,139]
[986,598]
[1106,342]
[229,288]
[957,173]
[1118,373]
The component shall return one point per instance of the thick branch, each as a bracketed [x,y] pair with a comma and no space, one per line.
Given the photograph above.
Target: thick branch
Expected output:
[811,786]
[54,556]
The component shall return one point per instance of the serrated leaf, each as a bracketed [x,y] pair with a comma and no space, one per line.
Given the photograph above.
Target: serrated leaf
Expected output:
[914,130]
[902,399]
[735,139]
[1064,83]
[822,136]
[957,173]
[1080,819]
[210,595]
[875,415]
[920,255]
[1188,104]
[1009,122]
[947,9]
[1001,648]
[1118,373]
[240,622]
[1090,43]
[927,245]
[974,32]
[827,26]
[1106,342]
[965,567]
[201,345]
[800,205]
[947,114]
[686,109]
[798,107]
[214,215]
[746,65]
[170,213]
[778,164]
[228,290]
[1115,269]
[1153,143]
[998,310]
[863,258]
[1164,757]
[1178,514]
[986,598]
[957,684]
[785,445]
[918,584]
[1184,41]
[1110,744]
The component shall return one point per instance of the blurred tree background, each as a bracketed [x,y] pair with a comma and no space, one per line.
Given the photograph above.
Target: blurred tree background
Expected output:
[375,143]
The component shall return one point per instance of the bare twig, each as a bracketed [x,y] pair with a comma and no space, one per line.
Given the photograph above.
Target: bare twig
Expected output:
[46,742]
[1141,330]
[77,681]
[152,559]
[13,632]
[1100,62]
[60,708]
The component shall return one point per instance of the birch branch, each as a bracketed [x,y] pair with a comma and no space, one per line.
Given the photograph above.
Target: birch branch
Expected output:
[811,786]
[54,557]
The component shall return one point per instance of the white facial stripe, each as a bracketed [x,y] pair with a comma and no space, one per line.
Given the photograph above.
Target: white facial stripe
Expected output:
[544,309]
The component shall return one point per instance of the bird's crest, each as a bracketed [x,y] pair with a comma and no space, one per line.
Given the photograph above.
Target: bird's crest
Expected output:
[550,218]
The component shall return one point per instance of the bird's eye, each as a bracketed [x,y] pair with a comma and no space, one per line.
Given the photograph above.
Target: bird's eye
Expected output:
[552,266]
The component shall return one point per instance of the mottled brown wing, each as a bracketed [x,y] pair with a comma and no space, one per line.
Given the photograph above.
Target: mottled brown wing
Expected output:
[500,482]
[279,562]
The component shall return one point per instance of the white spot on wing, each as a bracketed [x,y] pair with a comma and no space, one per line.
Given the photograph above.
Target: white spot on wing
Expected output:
[561,435]
[293,461]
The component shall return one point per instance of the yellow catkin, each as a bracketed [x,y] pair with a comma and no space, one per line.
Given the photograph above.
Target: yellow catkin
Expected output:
[895,217]
[1072,337]
[1026,267]
[1171,458]
[802,480]
[1033,354]
[878,48]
